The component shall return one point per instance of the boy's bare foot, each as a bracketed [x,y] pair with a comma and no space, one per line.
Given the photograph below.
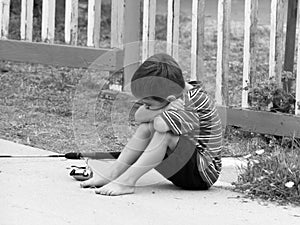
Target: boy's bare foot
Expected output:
[114,188]
[95,181]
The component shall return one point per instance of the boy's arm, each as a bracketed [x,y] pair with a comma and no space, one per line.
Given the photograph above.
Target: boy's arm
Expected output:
[143,115]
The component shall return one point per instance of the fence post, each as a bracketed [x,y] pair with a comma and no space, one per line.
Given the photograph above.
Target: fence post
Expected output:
[250,46]
[197,45]
[173,27]
[149,14]
[71,22]
[132,12]
[48,21]
[224,11]
[276,40]
[26,20]
[4,18]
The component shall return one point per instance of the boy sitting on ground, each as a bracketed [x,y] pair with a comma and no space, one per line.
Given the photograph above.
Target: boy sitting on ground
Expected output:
[179,133]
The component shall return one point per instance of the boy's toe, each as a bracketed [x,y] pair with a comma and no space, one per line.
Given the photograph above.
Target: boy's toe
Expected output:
[87,184]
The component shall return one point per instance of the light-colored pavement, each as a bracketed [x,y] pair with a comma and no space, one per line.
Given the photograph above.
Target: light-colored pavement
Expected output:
[40,191]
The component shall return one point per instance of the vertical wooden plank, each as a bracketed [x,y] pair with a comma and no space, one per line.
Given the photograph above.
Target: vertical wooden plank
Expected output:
[201,31]
[290,41]
[117,23]
[94,23]
[290,36]
[145,33]
[170,19]
[71,22]
[152,22]
[132,46]
[194,39]
[74,23]
[1,17]
[224,11]
[173,27]
[276,40]
[297,104]
[26,20]
[4,18]
[91,22]
[149,14]
[219,75]
[197,43]
[48,21]
[250,42]
[68,17]
[114,23]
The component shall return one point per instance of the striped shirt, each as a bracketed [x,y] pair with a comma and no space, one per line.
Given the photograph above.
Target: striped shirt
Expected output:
[200,122]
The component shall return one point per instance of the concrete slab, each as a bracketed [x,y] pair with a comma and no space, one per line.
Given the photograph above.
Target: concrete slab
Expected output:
[40,191]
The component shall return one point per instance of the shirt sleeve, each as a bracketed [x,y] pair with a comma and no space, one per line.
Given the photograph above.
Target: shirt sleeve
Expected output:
[180,121]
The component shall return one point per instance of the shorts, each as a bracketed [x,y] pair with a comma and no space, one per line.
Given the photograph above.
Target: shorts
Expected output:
[180,166]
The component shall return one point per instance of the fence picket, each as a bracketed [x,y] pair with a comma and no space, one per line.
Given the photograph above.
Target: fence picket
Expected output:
[94,23]
[276,40]
[117,23]
[26,20]
[48,21]
[297,103]
[173,28]
[91,22]
[197,42]
[250,42]
[149,14]
[170,27]
[224,11]
[4,18]
[71,22]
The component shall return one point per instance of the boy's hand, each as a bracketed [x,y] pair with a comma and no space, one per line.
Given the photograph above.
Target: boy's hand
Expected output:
[177,104]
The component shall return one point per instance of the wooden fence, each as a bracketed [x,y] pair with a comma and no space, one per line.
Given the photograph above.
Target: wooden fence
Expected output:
[125,36]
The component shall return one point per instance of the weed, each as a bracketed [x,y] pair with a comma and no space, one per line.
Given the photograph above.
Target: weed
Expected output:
[272,173]
[269,96]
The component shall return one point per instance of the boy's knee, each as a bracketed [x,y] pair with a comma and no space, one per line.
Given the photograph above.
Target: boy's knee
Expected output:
[146,129]
[169,139]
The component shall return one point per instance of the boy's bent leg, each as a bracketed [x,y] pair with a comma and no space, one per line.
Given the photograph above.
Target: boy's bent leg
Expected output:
[132,151]
[152,156]
[181,166]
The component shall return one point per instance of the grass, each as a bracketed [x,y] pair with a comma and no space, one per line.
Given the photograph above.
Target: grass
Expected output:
[40,106]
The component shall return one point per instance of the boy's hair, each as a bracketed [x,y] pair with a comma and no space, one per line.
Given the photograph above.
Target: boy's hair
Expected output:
[158,77]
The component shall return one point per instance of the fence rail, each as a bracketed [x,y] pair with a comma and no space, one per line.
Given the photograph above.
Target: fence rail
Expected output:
[125,35]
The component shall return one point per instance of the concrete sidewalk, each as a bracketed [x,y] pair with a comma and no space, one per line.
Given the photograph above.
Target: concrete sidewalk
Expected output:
[40,191]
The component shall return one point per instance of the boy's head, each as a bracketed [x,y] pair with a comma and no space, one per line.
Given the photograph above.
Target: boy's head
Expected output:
[158,78]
